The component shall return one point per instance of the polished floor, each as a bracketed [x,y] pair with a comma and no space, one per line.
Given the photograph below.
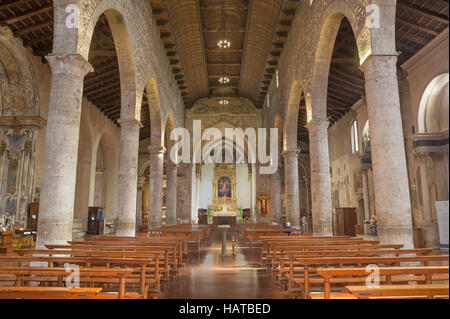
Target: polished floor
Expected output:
[211,275]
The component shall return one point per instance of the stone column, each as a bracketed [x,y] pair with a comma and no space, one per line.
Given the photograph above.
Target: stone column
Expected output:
[139,204]
[277,202]
[291,181]
[366,201]
[128,171]
[392,199]
[61,148]
[156,186]
[171,193]
[322,219]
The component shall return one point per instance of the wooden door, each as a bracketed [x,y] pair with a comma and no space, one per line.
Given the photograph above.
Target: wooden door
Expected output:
[33,216]
[350,221]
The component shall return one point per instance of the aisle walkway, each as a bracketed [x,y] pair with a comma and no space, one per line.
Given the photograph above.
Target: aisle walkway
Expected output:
[208,276]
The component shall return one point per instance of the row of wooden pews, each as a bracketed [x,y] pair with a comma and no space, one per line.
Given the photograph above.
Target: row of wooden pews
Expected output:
[254,233]
[192,235]
[102,267]
[352,268]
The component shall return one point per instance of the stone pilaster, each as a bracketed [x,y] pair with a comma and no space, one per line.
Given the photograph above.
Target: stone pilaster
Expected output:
[61,149]
[292,189]
[140,190]
[171,193]
[156,186]
[392,198]
[366,196]
[426,222]
[127,186]
[322,218]
[277,202]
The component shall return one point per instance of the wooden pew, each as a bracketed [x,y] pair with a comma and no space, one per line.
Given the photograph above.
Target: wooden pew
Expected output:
[23,275]
[48,293]
[387,274]
[148,269]
[283,264]
[309,265]
[165,264]
[400,291]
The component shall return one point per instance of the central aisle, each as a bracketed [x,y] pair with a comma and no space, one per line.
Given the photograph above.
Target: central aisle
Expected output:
[208,276]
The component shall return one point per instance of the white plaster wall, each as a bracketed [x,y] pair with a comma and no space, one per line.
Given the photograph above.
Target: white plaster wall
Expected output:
[243,188]
[206,186]
[427,64]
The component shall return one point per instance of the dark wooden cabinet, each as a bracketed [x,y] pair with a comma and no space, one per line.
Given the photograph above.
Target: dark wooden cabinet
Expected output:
[345,221]
[33,216]
[95,221]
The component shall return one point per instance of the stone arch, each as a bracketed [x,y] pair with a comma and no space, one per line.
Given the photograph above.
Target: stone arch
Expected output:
[291,117]
[156,123]
[125,58]
[433,109]
[330,23]
[221,127]
[304,167]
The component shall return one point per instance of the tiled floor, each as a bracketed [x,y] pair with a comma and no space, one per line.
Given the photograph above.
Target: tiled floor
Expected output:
[208,275]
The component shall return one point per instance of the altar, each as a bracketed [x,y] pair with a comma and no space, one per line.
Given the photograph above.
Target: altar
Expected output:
[224,203]
[225,218]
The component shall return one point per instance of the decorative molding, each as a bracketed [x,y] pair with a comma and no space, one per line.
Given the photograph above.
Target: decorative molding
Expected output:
[22,121]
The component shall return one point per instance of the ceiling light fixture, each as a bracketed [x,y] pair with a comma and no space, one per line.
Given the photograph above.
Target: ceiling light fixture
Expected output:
[224,44]
[224,102]
[224,80]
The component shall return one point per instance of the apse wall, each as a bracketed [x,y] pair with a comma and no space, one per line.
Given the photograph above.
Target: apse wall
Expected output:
[243,186]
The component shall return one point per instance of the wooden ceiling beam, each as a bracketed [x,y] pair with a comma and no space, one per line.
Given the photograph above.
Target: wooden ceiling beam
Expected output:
[30,14]
[423,12]
[35,27]
[12,4]
[416,26]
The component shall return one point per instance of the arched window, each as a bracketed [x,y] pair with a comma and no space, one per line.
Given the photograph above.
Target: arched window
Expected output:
[365,140]
[354,136]
[433,110]
[277,79]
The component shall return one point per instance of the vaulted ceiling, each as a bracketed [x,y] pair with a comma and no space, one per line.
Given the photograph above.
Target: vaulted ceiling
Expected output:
[257,29]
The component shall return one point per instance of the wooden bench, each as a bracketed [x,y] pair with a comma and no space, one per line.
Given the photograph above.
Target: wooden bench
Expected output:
[400,291]
[48,293]
[26,275]
[308,266]
[387,275]
[147,269]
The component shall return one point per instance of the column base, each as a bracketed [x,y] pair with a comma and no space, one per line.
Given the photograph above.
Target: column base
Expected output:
[154,225]
[126,229]
[322,230]
[396,235]
[52,233]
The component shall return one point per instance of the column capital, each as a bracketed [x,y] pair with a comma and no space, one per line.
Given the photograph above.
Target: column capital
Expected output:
[129,123]
[141,181]
[156,150]
[290,153]
[69,64]
[172,165]
[318,123]
[421,155]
